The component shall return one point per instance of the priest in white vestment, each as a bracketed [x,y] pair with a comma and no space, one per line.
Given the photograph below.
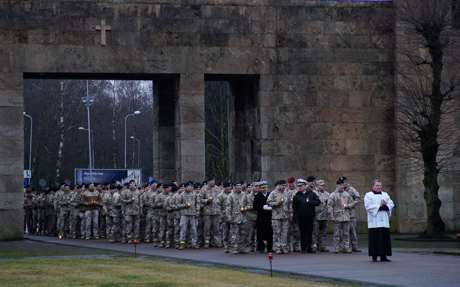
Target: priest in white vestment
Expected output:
[378,205]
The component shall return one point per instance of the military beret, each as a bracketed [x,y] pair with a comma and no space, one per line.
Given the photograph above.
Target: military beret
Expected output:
[291,179]
[311,178]
[227,183]
[281,181]
[340,181]
[236,182]
[343,178]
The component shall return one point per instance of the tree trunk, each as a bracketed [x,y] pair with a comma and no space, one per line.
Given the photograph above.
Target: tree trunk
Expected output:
[114,141]
[430,144]
[61,136]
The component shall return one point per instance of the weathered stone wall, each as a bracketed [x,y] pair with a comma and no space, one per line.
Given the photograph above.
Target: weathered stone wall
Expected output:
[324,71]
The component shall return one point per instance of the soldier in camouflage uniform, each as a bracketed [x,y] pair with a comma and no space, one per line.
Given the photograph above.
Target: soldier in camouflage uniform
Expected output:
[43,207]
[74,207]
[64,210]
[251,217]
[82,209]
[188,202]
[222,198]
[356,198]
[115,214]
[146,222]
[29,200]
[211,211]
[337,206]
[235,211]
[281,203]
[50,214]
[132,210]
[199,219]
[320,223]
[57,196]
[164,233]
[174,214]
[154,211]
[294,228]
[91,200]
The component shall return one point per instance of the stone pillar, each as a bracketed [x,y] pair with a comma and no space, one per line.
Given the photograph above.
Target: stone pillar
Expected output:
[11,158]
[190,128]
[164,152]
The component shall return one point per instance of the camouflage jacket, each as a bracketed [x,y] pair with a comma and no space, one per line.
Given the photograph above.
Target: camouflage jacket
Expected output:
[73,203]
[159,203]
[223,203]
[63,201]
[335,205]
[321,209]
[104,207]
[28,203]
[172,212]
[91,200]
[131,201]
[151,208]
[356,198]
[283,210]
[210,200]
[57,196]
[188,203]
[237,201]
[251,213]
[114,204]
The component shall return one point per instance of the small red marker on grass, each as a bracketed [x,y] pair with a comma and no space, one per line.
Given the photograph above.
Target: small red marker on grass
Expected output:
[135,248]
[270,258]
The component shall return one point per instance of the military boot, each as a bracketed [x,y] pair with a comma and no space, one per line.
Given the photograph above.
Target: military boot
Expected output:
[324,249]
[285,250]
[227,250]
[242,251]
[296,249]
[355,249]
[182,246]
[278,251]
[168,244]
[162,244]
[196,246]
[154,243]
[206,244]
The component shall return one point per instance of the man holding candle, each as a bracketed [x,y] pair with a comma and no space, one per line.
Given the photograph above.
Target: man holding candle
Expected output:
[211,210]
[378,205]
[189,205]
[303,206]
[91,199]
[132,206]
[236,206]
[338,208]
[280,202]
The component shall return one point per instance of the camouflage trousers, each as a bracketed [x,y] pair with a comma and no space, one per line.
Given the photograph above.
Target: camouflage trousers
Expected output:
[50,223]
[148,225]
[166,229]
[237,235]
[341,234]
[132,227]
[176,232]
[74,224]
[295,232]
[102,225]
[353,237]
[188,226]
[82,224]
[200,230]
[280,232]
[211,228]
[63,221]
[319,233]
[251,236]
[114,233]
[40,221]
[226,234]
[155,226]
[92,222]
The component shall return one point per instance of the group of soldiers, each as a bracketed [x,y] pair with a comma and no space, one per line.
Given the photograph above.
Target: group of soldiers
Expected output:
[200,215]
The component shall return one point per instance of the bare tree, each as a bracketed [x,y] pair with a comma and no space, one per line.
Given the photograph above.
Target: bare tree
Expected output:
[216,132]
[428,85]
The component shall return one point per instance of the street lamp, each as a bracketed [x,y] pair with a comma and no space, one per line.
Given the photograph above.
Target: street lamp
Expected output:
[91,146]
[138,149]
[135,113]
[30,148]
[88,101]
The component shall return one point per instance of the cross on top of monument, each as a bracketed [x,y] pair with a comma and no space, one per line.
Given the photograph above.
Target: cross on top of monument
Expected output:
[103,28]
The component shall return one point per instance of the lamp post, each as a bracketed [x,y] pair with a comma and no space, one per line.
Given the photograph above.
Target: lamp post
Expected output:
[30,148]
[135,113]
[91,146]
[88,101]
[138,149]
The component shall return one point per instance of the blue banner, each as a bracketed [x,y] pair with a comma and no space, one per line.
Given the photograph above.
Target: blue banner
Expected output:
[107,175]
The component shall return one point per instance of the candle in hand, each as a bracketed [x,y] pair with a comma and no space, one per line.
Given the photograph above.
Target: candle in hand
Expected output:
[308,200]
[241,208]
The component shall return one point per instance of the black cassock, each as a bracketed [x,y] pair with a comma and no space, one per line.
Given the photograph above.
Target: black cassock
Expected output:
[264,223]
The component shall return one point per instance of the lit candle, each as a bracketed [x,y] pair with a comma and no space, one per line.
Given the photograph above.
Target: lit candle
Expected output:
[210,197]
[344,205]
[308,200]
[188,203]
[282,199]
[241,208]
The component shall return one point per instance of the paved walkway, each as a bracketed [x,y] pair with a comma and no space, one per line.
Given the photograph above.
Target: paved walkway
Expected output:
[409,267]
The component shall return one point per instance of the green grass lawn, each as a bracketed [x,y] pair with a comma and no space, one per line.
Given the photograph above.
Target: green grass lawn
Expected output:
[127,271]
